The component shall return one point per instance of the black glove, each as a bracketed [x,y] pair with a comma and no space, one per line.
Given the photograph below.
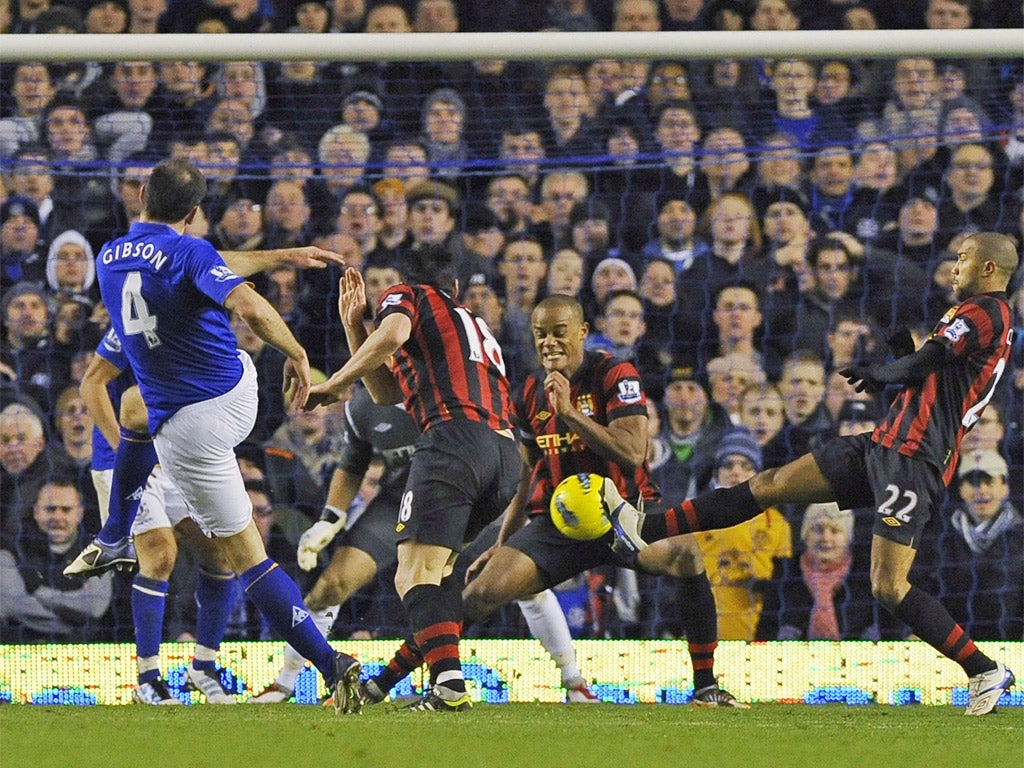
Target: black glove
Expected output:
[861,378]
[900,342]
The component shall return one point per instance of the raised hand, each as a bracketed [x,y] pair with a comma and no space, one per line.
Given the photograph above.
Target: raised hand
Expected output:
[556,386]
[351,298]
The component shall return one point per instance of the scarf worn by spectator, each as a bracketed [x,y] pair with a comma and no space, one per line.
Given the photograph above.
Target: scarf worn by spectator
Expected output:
[981,536]
[823,580]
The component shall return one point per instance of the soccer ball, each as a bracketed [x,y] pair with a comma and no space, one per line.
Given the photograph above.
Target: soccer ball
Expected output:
[577,507]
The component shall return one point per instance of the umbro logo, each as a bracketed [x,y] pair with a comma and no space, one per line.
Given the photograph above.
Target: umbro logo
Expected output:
[382,427]
[135,495]
[892,522]
[298,615]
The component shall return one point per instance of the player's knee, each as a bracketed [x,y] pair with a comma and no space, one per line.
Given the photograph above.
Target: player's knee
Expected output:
[687,559]
[887,590]
[134,415]
[157,562]
[482,597]
[333,588]
[406,580]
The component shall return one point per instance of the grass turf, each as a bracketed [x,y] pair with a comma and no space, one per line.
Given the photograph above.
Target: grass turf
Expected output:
[509,736]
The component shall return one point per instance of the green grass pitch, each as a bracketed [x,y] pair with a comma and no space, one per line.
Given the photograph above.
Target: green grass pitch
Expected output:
[509,736]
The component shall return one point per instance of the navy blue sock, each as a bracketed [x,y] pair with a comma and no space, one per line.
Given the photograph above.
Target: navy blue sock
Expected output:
[214,599]
[279,600]
[133,463]
[148,599]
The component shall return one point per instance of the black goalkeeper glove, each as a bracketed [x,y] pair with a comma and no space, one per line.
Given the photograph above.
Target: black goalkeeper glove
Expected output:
[861,378]
[900,342]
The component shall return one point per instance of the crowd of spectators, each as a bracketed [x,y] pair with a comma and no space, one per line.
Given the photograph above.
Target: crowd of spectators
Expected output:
[740,230]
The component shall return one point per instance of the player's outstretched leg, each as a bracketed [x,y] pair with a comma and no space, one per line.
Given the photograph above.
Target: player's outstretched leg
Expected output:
[627,521]
[278,599]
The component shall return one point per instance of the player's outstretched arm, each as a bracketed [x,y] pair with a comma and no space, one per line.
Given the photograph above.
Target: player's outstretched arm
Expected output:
[909,370]
[379,346]
[247,263]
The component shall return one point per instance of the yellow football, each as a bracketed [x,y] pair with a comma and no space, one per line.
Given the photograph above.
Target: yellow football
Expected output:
[578,509]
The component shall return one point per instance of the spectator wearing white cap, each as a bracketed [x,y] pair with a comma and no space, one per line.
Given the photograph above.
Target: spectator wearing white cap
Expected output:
[976,561]
[71,268]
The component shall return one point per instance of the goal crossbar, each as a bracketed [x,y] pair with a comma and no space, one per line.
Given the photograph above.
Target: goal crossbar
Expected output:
[971,43]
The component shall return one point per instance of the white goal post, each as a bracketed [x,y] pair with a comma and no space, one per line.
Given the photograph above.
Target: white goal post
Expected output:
[971,43]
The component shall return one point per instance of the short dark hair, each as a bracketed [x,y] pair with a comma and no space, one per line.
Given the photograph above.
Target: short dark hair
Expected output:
[618,294]
[748,285]
[431,265]
[360,189]
[175,187]
[819,244]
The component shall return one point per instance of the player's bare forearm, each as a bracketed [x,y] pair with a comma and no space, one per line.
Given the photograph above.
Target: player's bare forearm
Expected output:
[264,321]
[97,400]
[343,489]
[365,363]
[247,263]
[380,383]
[515,512]
[623,442]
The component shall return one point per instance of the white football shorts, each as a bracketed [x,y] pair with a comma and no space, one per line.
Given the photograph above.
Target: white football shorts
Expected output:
[162,504]
[196,446]
[102,479]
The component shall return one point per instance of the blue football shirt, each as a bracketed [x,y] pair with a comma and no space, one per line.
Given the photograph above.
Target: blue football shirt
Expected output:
[165,293]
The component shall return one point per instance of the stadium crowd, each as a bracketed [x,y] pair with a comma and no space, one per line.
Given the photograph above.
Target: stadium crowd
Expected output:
[740,230]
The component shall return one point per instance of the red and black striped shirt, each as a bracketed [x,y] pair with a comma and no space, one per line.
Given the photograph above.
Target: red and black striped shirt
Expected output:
[604,388]
[930,420]
[451,367]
